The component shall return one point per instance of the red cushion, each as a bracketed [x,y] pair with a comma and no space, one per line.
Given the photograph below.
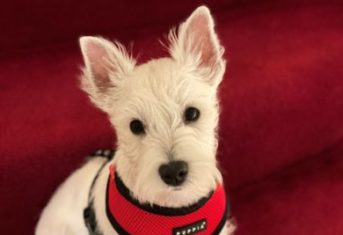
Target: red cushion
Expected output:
[282,102]
[302,199]
[26,24]
[283,94]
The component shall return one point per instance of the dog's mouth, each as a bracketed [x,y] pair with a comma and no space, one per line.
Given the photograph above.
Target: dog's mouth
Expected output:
[178,188]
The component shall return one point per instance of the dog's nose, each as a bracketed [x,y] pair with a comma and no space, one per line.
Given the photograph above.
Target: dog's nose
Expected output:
[174,173]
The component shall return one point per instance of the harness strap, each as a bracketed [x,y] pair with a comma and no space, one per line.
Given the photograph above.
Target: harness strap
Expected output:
[88,212]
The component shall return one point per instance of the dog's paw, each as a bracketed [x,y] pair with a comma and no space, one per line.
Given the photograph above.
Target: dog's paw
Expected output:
[105,153]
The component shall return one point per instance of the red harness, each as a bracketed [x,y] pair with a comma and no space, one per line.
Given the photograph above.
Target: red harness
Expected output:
[127,216]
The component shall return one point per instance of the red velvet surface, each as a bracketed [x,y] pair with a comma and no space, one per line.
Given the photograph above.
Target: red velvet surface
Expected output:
[37,22]
[305,198]
[282,109]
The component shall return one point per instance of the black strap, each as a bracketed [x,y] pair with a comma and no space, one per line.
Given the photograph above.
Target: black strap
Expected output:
[88,213]
[90,220]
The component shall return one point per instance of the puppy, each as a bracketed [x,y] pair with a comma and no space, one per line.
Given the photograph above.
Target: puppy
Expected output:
[163,178]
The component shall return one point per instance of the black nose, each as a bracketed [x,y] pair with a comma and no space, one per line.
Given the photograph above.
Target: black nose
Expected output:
[174,173]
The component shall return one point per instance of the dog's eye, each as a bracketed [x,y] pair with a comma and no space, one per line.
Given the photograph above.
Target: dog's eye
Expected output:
[191,114]
[136,127]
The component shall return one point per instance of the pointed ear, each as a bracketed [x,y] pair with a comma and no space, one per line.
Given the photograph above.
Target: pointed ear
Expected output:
[106,65]
[197,43]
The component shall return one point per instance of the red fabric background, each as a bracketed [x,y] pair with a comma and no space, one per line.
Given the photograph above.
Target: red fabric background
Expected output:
[282,105]
[35,23]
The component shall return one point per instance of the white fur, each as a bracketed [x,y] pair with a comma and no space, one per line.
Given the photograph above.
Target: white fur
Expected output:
[157,93]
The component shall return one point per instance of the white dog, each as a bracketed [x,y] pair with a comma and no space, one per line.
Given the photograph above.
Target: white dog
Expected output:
[164,177]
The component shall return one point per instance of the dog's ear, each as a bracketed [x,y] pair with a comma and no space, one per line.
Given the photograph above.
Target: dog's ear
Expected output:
[106,65]
[197,43]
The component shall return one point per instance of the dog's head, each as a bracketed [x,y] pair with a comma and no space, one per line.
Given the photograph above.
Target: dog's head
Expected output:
[165,111]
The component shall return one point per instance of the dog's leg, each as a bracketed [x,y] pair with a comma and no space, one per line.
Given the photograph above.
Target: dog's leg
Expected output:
[229,228]
[63,214]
